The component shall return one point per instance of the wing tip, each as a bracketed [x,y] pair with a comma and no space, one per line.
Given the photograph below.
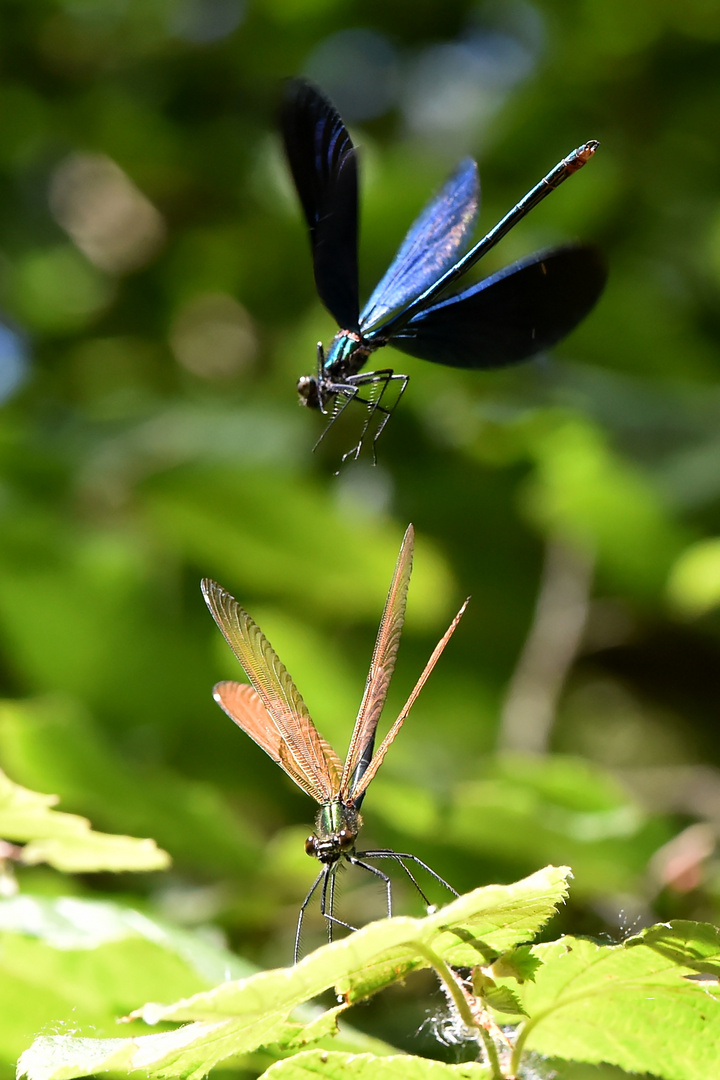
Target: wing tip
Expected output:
[468,167]
[212,594]
[221,687]
[213,591]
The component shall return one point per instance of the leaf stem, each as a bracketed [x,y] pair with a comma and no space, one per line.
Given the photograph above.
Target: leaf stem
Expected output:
[463,1006]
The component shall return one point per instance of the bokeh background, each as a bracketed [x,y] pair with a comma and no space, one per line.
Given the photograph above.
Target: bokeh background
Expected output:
[157,306]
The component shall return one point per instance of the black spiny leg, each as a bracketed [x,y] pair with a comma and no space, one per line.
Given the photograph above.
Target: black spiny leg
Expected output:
[377,382]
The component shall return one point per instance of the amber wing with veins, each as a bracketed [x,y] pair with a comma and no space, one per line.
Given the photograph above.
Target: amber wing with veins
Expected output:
[273,714]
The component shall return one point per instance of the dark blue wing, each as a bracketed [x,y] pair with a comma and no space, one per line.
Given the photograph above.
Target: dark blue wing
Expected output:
[433,244]
[324,168]
[510,316]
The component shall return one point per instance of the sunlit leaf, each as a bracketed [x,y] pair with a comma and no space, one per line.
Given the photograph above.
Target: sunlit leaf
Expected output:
[53,740]
[238,1017]
[67,841]
[67,963]
[334,1066]
[641,1005]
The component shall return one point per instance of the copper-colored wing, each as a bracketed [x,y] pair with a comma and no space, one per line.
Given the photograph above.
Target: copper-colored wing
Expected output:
[381,751]
[382,666]
[291,738]
[244,705]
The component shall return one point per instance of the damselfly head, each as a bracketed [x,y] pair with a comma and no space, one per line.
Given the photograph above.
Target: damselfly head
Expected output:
[307,388]
[328,849]
[336,828]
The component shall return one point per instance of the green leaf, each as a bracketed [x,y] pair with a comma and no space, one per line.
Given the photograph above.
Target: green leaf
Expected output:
[67,841]
[520,963]
[69,963]
[238,1017]
[80,962]
[71,923]
[470,930]
[638,1005]
[191,1051]
[334,1066]
[502,999]
[697,945]
[53,739]
[557,809]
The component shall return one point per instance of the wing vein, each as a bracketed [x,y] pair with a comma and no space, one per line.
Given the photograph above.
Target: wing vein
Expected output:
[382,666]
[299,748]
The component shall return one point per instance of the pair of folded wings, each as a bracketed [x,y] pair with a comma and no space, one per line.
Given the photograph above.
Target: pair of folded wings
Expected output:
[273,713]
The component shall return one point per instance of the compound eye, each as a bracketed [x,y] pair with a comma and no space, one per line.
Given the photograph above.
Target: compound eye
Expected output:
[346,839]
[311,845]
[307,388]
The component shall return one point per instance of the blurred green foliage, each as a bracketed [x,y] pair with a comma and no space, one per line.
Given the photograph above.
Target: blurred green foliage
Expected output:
[157,301]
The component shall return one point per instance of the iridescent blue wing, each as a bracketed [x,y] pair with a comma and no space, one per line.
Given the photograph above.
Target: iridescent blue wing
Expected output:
[510,316]
[434,242]
[323,164]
